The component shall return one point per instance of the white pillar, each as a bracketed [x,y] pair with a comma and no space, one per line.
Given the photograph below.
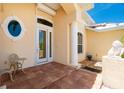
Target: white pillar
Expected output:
[74,41]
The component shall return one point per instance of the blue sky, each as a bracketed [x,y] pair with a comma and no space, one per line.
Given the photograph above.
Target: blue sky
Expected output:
[107,12]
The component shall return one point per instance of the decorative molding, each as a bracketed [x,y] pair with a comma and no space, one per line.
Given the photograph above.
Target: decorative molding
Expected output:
[46,9]
[5,27]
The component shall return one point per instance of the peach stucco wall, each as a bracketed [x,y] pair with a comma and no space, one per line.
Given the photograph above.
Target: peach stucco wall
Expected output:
[62,23]
[62,35]
[24,47]
[100,42]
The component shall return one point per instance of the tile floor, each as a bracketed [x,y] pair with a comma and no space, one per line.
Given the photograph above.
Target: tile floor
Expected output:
[51,76]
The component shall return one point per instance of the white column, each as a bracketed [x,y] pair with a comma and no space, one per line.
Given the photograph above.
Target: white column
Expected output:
[74,41]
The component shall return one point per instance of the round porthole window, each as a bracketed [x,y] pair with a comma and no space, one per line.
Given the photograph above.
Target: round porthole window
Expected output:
[13,28]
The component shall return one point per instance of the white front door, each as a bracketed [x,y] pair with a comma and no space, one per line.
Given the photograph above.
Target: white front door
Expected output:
[44,44]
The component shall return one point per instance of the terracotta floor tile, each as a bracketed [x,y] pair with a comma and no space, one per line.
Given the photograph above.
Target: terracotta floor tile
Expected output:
[74,81]
[51,75]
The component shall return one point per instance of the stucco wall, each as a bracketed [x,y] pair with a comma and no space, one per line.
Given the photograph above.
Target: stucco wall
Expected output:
[62,23]
[62,35]
[24,47]
[100,42]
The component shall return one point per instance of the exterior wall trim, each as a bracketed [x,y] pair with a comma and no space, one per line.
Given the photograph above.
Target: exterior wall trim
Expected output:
[46,9]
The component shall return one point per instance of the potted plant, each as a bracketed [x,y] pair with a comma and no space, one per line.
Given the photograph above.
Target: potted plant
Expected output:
[122,55]
[89,57]
[122,40]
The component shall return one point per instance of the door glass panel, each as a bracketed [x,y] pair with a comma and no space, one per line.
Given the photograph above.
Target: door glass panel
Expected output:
[42,44]
[50,43]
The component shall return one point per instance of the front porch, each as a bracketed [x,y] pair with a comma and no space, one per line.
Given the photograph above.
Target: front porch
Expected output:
[52,76]
[49,35]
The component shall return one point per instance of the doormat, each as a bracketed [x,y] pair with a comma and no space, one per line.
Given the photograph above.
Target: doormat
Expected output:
[92,69]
